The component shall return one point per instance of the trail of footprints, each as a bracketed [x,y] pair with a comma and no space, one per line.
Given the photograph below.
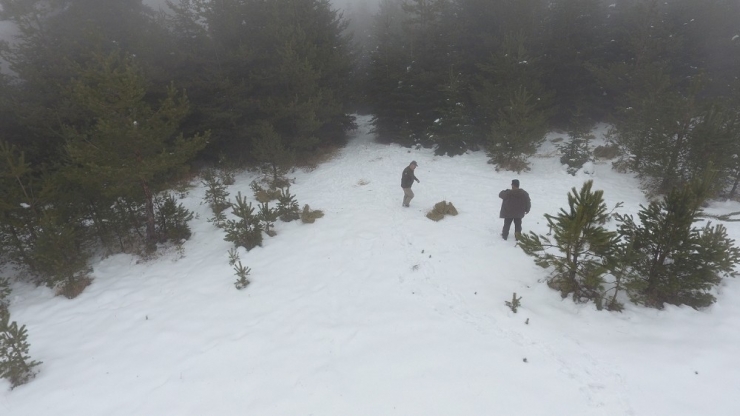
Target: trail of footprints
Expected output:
[599,386]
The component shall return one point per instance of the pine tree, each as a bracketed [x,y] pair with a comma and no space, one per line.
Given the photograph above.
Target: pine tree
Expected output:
[520,128]
[216,193]
[268,216]
[241,272]
[55,36]
[60,259]
[656,130]
[430,57]
[20,207]
[270,150]
[284,62]
[15,364]
[172,219]
[575,36]
[246,231]
[388,86]
[4,292]
[511,67]
[288,207]
[128,145]
[675,262]
[453,132]
[575,152]
[712,147]
[585,246]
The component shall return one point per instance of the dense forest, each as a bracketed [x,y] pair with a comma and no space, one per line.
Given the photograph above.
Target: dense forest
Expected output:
[107,104]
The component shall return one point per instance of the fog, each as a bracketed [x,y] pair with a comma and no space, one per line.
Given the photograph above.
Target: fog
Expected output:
[352,10]
[338,4]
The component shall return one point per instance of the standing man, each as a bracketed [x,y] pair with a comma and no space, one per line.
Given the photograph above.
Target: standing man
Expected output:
[407,179]
[515,205]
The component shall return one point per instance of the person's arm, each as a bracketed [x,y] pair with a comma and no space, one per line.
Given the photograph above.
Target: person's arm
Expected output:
[415,178]
[503,193]
[529,205]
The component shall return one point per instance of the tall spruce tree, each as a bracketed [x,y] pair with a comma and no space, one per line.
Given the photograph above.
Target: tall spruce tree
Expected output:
[388,86]
[453,132]
[512,105]
[585,247]
[21,208]
[519,129]
[128,145]
[712,146]
[272,153]
[675,262]
[430,57]
[575,38]
[52,37]
[283,62]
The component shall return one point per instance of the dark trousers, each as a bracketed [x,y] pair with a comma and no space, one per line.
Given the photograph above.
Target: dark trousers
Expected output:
[507,226]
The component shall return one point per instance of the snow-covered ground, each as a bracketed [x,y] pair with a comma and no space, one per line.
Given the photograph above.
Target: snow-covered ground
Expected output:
[375,310]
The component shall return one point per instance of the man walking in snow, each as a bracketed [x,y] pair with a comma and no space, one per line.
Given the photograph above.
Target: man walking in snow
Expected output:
[407,179]
[515,205]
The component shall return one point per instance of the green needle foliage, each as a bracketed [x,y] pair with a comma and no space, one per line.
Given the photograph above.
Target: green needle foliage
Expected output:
[268,216]
[172,219]
[128,144]
[288,208]
[579,249]
[246,231]
[241,272]
[675,262]
[15,364]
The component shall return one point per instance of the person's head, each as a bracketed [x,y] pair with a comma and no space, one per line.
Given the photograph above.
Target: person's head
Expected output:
[515,184]
[413,165]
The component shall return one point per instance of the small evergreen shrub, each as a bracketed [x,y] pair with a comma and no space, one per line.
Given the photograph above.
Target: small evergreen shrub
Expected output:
[288,209]
[227,176]
[267,217]
[517,164]
[308,216]
[59,260]
[575,152]
[515,303]
[672,261]
[241,272]
[233,256]
[15,364]
[216,195]
[246,231]
[585,247]
[441,209]
[172,219]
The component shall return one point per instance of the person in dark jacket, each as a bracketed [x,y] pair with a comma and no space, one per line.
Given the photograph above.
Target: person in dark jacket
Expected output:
[515,205]
[407,179]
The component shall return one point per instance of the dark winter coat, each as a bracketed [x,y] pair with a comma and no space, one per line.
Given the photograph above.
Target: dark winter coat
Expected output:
[407,178]
[515,203]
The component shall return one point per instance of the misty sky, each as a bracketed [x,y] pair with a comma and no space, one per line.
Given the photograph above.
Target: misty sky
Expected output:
[6,28]
[337,3]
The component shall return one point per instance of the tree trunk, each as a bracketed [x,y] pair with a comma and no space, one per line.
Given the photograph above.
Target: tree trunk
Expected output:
[21,248]
[151,231]
[734,185]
